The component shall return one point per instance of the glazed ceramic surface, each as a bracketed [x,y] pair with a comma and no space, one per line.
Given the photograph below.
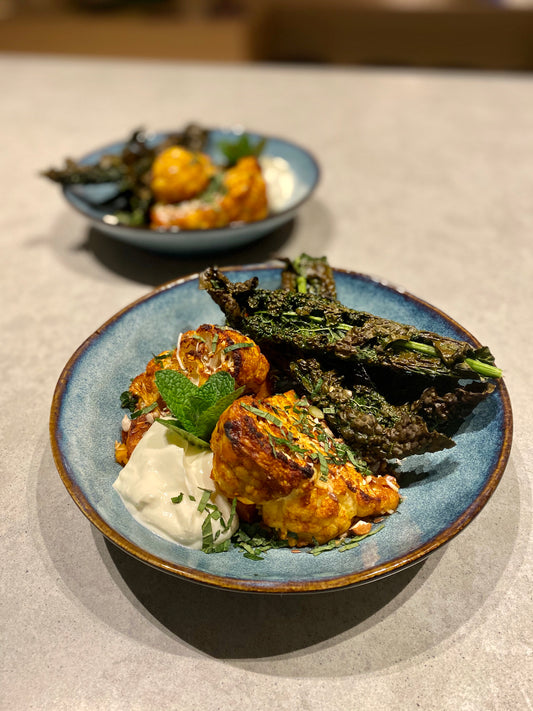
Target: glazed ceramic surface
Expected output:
[87,199]
[442,492]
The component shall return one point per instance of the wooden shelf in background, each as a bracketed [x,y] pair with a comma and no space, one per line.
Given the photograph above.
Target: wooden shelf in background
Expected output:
[127,35]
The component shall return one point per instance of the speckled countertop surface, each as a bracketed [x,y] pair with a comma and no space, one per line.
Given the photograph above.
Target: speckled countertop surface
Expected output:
[427,183]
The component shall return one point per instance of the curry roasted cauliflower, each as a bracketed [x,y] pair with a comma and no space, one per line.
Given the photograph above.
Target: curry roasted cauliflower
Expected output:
[277,454]
[240,196]
[209,349]
[199,354]
[179,174]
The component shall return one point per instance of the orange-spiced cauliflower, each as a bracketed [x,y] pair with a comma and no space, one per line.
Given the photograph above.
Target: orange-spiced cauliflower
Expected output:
[277,453]
[240,196]
[179,174]
[199,353]
[209,348]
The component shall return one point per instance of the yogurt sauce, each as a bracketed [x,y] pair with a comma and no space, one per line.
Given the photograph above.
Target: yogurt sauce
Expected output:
[162,466]
[279,179]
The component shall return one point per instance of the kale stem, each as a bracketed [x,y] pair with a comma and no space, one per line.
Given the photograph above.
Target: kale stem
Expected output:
[301,284]
[485,369]
[420,348]
[489,371]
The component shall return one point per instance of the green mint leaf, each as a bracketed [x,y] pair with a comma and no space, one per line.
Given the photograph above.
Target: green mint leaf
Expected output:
[189,436]
[208,419]
[196,409]
[217,386]
[176,390]
[241,147]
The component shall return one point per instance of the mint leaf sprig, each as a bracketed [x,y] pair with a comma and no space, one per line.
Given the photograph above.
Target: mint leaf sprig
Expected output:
[196,409]
[233,151]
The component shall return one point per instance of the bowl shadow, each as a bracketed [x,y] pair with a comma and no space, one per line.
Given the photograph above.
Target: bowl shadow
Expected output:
[92,252]
[218,621]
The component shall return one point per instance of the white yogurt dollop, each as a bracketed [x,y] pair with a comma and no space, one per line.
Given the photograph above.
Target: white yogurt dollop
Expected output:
[279,179]
[164,466]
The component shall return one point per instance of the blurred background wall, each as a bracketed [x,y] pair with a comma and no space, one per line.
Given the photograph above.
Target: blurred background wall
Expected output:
[489,34]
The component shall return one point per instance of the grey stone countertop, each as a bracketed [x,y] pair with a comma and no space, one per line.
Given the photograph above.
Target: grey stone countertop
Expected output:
[427,183]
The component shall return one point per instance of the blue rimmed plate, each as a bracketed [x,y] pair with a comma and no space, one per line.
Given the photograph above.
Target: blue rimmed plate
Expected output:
[299,171]
[443,492]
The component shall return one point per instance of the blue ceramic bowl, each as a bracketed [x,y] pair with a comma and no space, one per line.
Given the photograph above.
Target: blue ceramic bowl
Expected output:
[443,492]
[87,199]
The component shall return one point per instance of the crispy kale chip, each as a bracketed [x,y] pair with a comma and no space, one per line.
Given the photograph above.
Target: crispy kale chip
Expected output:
[306,325]
[388,389]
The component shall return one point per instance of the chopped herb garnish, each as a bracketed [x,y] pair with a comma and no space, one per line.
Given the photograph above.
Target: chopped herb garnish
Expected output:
[343,544]
[351,542]
[264,414]
[143,411]
[287,443]
[255,540]
[207,533]
[204,500]
[216,187]
[213,513]
[232,515]
[162,356]
[235,346]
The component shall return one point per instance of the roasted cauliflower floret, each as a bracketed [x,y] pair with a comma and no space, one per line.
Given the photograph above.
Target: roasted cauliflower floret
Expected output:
[188,215]
[245,199]
[241,197]
[179,174]
[276,454]
[143,386]
[199,354]
[209,348]
[132,432]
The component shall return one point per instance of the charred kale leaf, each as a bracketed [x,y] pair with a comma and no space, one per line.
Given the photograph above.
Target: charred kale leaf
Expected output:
[129,170]
[377,429]
[388,389]
[311,275]
[305,325]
